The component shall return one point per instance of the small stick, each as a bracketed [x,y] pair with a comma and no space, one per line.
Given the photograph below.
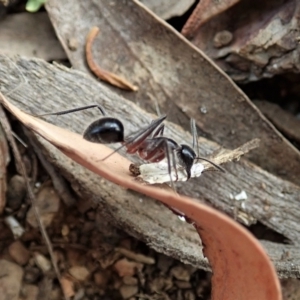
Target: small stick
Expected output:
[98,71]
[229,155]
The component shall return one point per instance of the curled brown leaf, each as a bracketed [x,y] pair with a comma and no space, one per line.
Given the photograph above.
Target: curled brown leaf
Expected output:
[98,71]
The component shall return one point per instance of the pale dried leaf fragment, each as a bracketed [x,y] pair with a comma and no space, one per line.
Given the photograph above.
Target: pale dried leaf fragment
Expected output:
[104,75]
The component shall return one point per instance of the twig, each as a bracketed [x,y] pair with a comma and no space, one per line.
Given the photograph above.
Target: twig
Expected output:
[136,256]
[98,71]
[229,155]
[21,167]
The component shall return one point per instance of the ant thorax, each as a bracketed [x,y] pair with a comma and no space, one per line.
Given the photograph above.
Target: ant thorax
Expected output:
[159,172]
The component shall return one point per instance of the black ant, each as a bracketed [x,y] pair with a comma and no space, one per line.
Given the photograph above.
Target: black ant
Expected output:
[149,142]
[157,148]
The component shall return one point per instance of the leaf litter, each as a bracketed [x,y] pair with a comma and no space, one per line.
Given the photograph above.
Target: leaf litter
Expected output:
[116,169]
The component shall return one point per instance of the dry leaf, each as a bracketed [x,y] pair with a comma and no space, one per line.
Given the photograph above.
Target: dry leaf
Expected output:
[57,88]
[99,72]
[167,9]
[173,74]
[36,38]
[205,10]
[264,43]
[230,249]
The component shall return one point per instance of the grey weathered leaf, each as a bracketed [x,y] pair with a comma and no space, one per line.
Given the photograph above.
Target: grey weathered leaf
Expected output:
[171,72]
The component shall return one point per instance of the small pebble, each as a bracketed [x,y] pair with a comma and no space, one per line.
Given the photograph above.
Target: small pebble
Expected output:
[48,204]
[42,262]
[181,273]
[183,284]
[16,192]
[101,278]
[125,267]
[29,292]
[32,274]
[128,291]
[19,253]
[81,273]
[128,280]
[10,280]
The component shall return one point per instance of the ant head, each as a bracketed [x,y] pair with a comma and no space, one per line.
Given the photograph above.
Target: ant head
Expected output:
[105,131]
[186,157]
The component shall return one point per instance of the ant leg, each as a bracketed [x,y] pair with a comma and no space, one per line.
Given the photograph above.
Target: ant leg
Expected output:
[64,112]
[168,152]
[133,142]
[159,131]
[156,149]
[195,136]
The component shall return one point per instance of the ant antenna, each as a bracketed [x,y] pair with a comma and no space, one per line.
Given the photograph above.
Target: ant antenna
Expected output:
[64,112]
[212,163]
[196,143]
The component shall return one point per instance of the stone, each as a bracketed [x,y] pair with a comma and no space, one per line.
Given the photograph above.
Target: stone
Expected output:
[128,291]
[19,253]
[81,273]
[10,280]
[48,204]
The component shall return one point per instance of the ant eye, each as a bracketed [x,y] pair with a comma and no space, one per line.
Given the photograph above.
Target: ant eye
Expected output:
[105,131]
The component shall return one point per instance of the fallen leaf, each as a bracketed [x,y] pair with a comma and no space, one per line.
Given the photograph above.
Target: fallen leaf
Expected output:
[99,72]
[174,75]
[264,39]
[266,193]
[36,38]
[205,10]
[167,9]
[230,248]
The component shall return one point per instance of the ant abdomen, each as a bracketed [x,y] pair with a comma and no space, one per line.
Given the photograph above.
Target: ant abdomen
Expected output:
[105,131]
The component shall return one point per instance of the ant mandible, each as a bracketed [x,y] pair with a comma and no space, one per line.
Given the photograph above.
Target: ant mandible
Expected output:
[148,142]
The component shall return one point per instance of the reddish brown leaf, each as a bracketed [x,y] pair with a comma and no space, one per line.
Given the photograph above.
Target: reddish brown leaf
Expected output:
[241,268]
[99,72]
